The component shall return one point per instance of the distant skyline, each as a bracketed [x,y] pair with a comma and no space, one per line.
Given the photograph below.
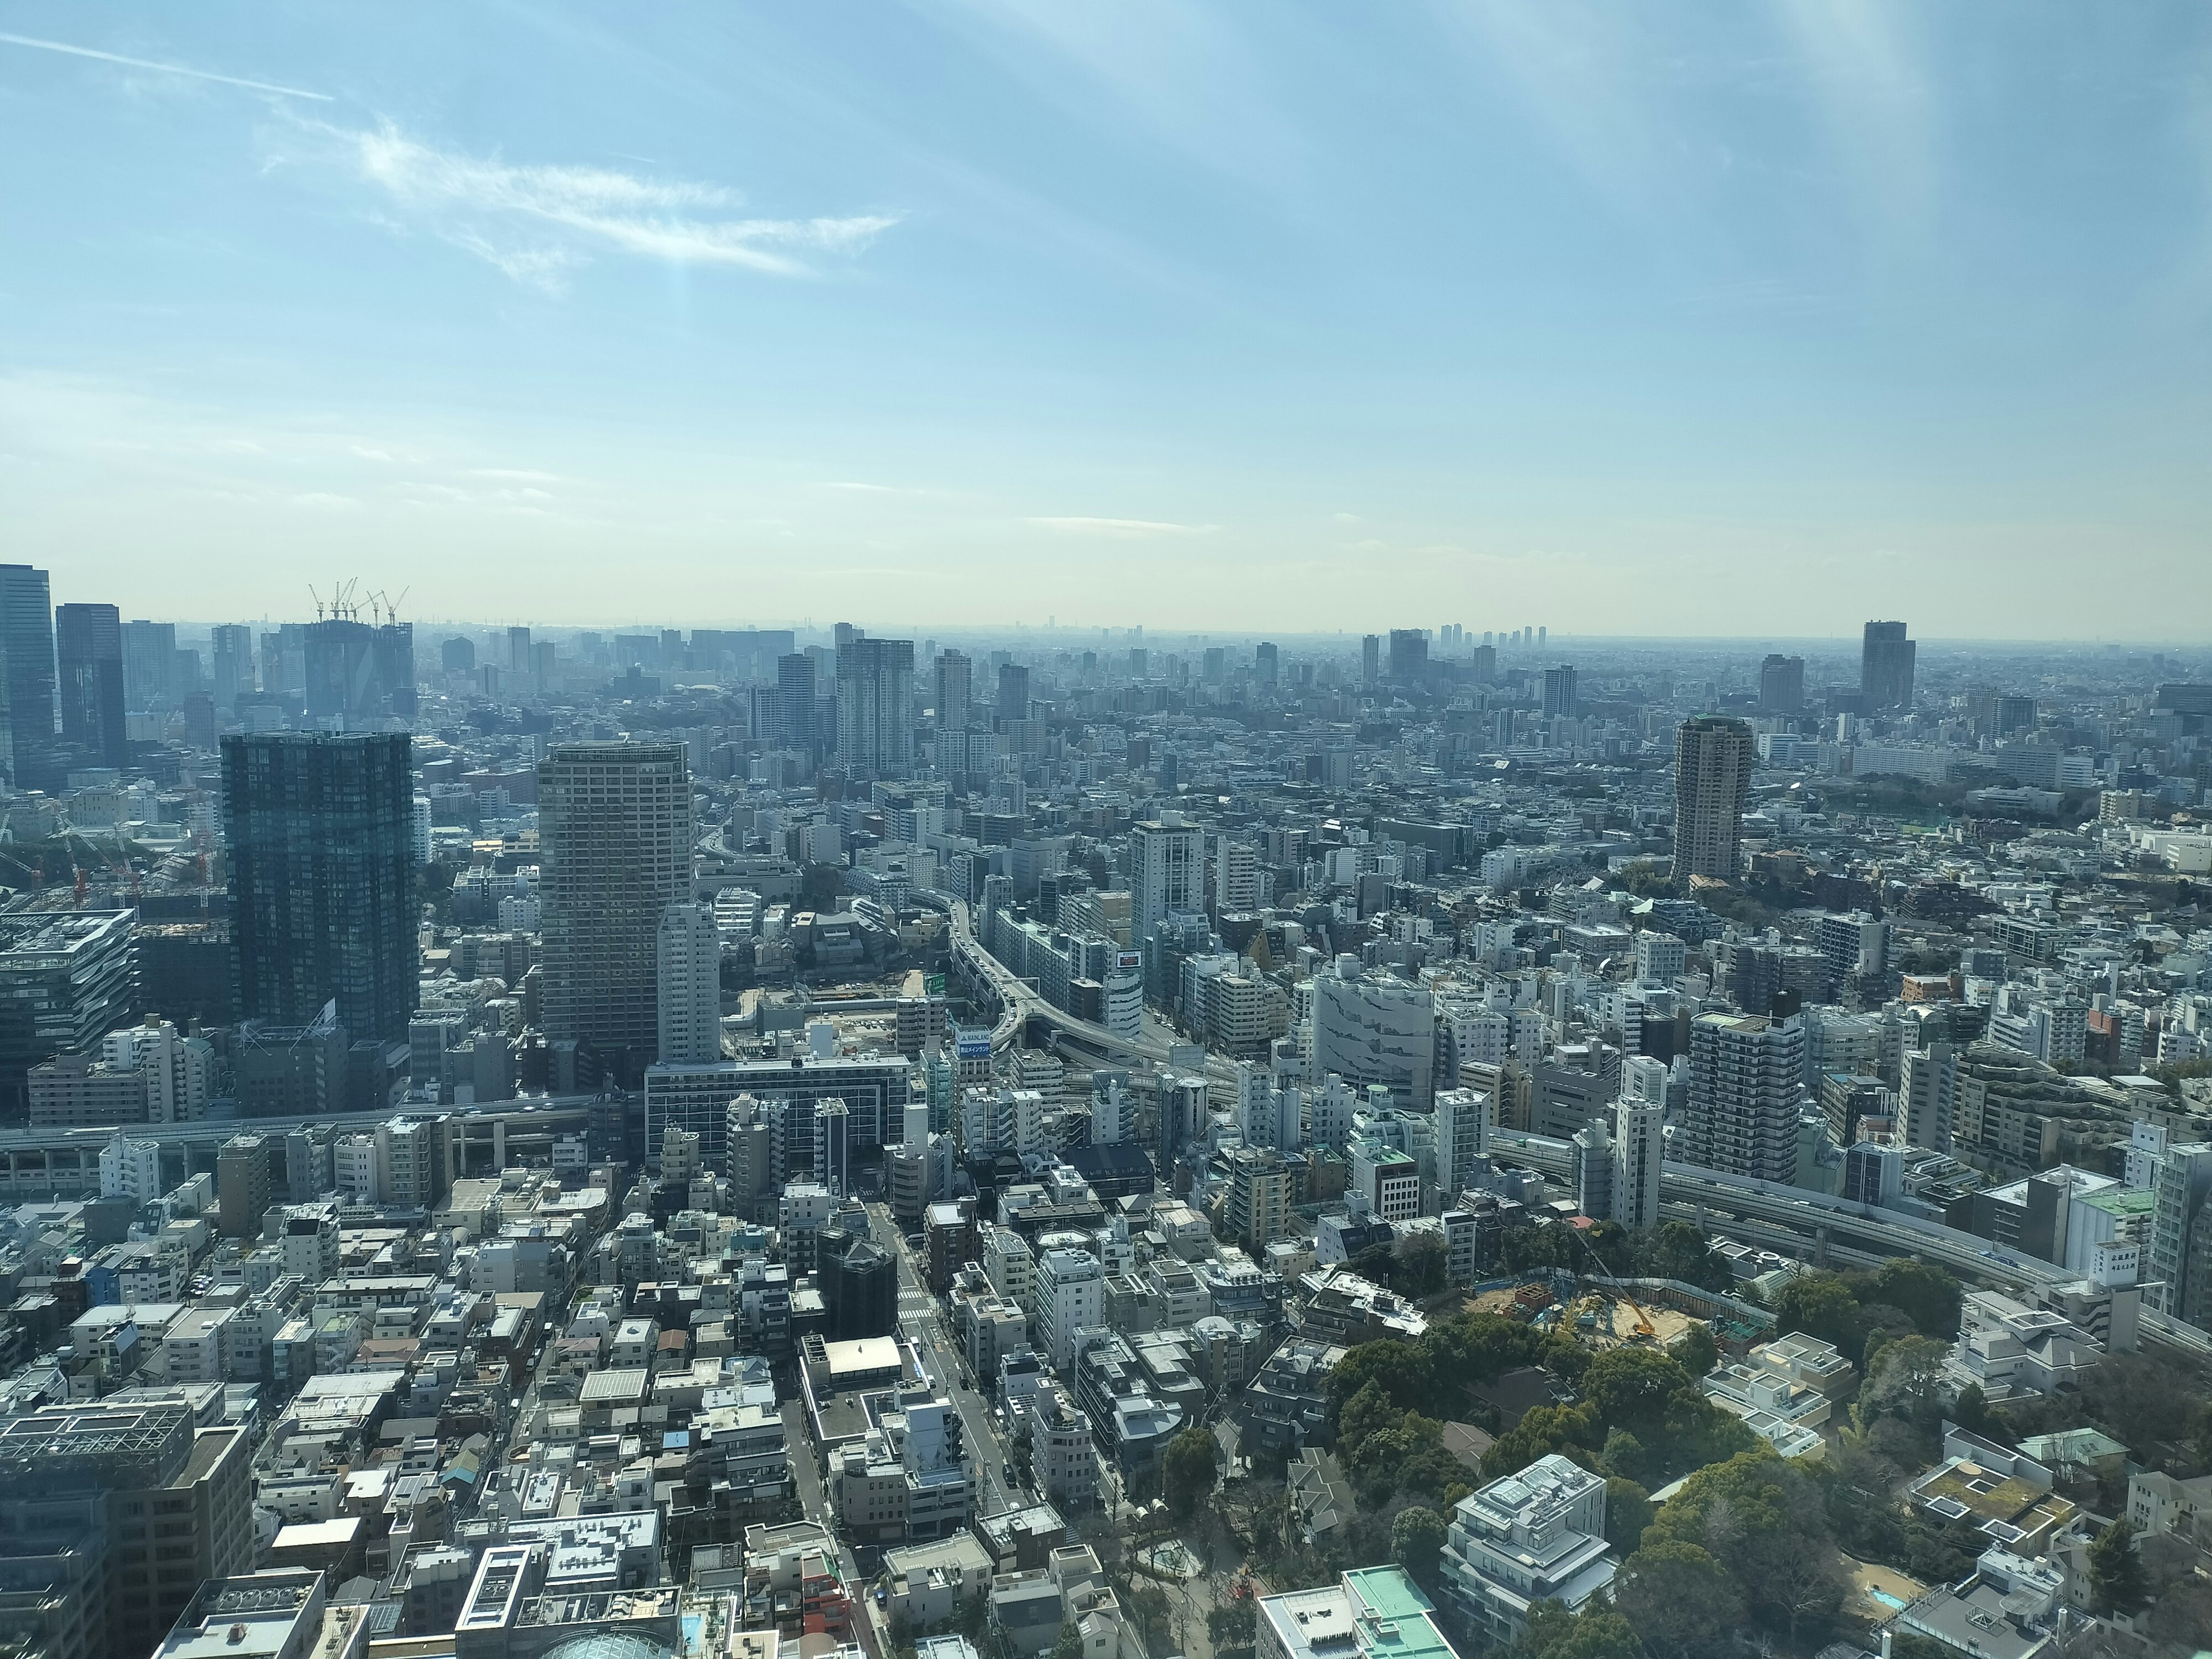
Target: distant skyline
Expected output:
[1742,323]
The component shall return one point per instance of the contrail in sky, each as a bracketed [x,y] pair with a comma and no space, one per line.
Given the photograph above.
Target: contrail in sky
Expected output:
[165,68]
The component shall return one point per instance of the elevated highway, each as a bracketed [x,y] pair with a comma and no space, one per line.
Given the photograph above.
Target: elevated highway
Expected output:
[1832,1229]
[1021,1006]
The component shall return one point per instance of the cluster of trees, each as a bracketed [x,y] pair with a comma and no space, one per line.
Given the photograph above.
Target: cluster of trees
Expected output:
[1745,1538]
[1417,1272]
[1642,1419]
[1390,1401]
[1859,1312]
[1674,1251]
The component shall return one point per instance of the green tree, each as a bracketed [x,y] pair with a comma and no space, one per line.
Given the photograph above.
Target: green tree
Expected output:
[1905,1382]
[1420,1270]
[1368,1412]
[2115,1571]
[1927,1294]
[1187,1470]
[1823,1305]
[1417,1544]
[1627,1512]
[1070,1645]
[1596,1632]
[1973,1412]
[1695,1350]
[1631,1387]
[1400,1369]
[1676,1596]
[1233,1626]
[1764,1520]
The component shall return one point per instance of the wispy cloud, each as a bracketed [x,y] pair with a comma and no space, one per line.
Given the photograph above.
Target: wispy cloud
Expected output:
[1125,527]
[164,68]
[536,223]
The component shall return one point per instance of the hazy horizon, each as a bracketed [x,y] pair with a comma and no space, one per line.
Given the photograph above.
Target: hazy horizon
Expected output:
[1721,322]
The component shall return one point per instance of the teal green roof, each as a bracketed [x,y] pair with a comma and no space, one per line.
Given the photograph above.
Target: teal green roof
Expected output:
[1402,1627]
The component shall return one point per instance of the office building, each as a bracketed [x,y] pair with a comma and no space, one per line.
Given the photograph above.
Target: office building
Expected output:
[66,979]
[1558,692]
[274,1614]
[89,645]
[358,672]
[1463,1125]
[615,835]
[1713,757]
[323,878]
[690,988]
[116,1515]
[875,706]
[1747,1077]
[1886,661]
[956,682]
[1370,658]
[230,650]
[26,654]
[1167,872]
[1781,684]
[1374,1028]
[1370,1612]
[149,665]
[1409,655]
[1014,692]
[1070,1293]
[794,702]
[1536,1537]
[1258,1206]
[1639,1154]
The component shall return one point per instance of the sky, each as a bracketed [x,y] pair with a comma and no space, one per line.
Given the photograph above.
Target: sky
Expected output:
[1693,318]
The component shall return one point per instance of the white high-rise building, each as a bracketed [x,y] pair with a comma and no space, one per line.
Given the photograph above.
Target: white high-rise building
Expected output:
[178,1070]
[1747,1077]
[1375,1028]
[1070,1293]
[690,987]
[1659,958]
[1235,875]
[1927,1095]
[1463,1125]
[1167,872]
[1639,1154]
[1113,1109]
[130,1169]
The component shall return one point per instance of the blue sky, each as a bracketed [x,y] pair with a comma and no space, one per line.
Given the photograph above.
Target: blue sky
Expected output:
[1669,319]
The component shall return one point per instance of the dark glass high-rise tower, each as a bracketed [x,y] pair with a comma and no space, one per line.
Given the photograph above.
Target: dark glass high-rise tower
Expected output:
[1886,664]
[88,640]
[27,636]
[322,877]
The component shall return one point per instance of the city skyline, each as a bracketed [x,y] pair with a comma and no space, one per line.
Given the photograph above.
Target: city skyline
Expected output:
[1725,323]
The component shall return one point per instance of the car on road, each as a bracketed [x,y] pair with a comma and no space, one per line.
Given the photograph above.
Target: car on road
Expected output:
[1006,1473]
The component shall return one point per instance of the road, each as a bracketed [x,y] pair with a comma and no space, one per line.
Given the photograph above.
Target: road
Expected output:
[921,1317]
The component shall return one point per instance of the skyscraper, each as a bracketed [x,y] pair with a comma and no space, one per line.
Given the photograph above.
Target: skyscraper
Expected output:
[322,878]
[1014,692]
[360,672]
[1713,757]
[1167,873]
[27,642]
[954,690]
[1746,1073]
[1370,658]
[231,645]
[690,989]
[1639,1153]
[88,640]
[615,834]
[875,705]
[1886,661]
[795,700]
[1266,662]
[1409,654]
[149,665]
[1559,691]
[1781,684]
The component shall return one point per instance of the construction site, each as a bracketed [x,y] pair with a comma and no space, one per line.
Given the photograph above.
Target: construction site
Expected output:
[1597,1317]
